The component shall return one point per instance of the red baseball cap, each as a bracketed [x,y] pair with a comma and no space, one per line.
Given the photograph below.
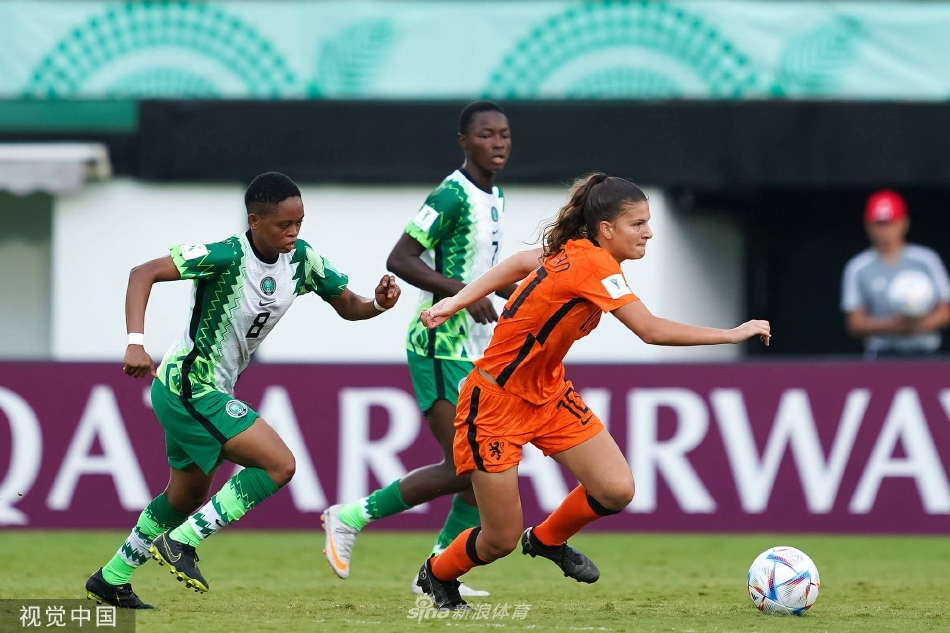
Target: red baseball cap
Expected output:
[885,206]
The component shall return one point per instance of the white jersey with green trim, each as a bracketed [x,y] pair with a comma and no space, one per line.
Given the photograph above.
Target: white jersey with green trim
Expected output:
[237,300]
[461,228]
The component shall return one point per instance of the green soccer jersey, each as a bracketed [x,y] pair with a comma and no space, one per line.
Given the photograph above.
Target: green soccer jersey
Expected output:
[460,226]
[236,301]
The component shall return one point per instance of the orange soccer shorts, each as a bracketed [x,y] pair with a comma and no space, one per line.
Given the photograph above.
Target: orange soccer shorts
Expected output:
[491,425]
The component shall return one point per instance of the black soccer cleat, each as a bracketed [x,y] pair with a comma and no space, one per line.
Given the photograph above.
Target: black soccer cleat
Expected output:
[573,563]
[445,595]
[120,596]
[182,558]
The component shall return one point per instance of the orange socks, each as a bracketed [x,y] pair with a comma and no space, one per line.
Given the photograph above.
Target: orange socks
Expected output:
[577,510]
[458,558]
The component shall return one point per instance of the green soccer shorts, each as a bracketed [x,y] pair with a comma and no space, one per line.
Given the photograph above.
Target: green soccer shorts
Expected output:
[436,379]
[196,428]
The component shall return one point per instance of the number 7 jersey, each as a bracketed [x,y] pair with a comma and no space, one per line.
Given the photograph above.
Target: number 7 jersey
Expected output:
[460,226]
[236,301]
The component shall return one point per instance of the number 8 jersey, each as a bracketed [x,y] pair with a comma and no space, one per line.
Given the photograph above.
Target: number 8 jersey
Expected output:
[237,299]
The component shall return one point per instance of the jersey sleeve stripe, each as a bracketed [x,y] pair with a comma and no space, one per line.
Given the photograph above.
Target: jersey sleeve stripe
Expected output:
[542,273]
[178,259]
[420,236]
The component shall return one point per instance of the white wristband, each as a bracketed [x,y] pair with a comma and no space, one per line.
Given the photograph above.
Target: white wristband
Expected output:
[378,307]
[136,338]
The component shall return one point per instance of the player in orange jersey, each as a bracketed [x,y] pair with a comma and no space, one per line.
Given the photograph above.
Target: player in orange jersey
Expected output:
[518,393]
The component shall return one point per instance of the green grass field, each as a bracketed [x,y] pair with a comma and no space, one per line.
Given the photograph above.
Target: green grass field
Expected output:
[278,581]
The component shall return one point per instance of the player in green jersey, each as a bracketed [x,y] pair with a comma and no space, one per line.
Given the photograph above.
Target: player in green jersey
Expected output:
[453,239]
[242,287]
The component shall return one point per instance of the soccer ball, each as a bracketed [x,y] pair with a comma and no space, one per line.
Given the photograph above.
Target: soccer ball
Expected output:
[911,293]
[783,580]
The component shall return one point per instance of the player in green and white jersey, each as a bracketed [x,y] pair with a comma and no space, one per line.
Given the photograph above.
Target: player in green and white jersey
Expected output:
[454,238]
[242,287]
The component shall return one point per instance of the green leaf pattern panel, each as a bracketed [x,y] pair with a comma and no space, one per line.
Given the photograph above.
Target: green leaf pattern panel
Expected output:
[347,65]
[655,40]
[811,65]
[466,49]
[161,82]
[619,82]
[126,51]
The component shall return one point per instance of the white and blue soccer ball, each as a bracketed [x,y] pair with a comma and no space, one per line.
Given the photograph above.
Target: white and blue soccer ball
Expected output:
[783,580]
[911,293]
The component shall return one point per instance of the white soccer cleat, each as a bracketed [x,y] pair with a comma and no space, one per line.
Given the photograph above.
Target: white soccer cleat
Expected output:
[464,590]
[339,542]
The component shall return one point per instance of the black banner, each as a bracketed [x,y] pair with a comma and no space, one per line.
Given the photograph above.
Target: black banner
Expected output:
[708,145]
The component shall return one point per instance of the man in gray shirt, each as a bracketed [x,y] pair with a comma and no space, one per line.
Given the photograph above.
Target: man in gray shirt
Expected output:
[867,295]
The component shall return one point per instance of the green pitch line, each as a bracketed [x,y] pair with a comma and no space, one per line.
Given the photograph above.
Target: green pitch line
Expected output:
[278,581]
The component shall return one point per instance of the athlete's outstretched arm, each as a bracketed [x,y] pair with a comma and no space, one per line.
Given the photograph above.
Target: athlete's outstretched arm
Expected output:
[137,361]
[353,307]
[404,260]
[657,331]
[508,271]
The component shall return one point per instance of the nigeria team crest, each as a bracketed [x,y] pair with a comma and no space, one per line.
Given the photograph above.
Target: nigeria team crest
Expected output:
[236,409]
[268,285]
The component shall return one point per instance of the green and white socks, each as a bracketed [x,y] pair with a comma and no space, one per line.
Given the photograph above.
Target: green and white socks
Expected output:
[156,518]
[378,505]
[461,517]
[388,501]
[241,493]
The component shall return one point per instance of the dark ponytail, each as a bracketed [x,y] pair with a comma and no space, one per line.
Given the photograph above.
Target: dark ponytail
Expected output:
[595,198]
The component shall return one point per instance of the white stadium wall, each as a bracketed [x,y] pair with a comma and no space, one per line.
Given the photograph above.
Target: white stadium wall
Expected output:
[693,271]
[25,276]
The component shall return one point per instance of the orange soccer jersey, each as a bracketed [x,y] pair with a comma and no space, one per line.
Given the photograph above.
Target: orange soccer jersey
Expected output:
[559,303]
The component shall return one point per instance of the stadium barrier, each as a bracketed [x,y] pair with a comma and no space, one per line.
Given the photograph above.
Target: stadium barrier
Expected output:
[803,446]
